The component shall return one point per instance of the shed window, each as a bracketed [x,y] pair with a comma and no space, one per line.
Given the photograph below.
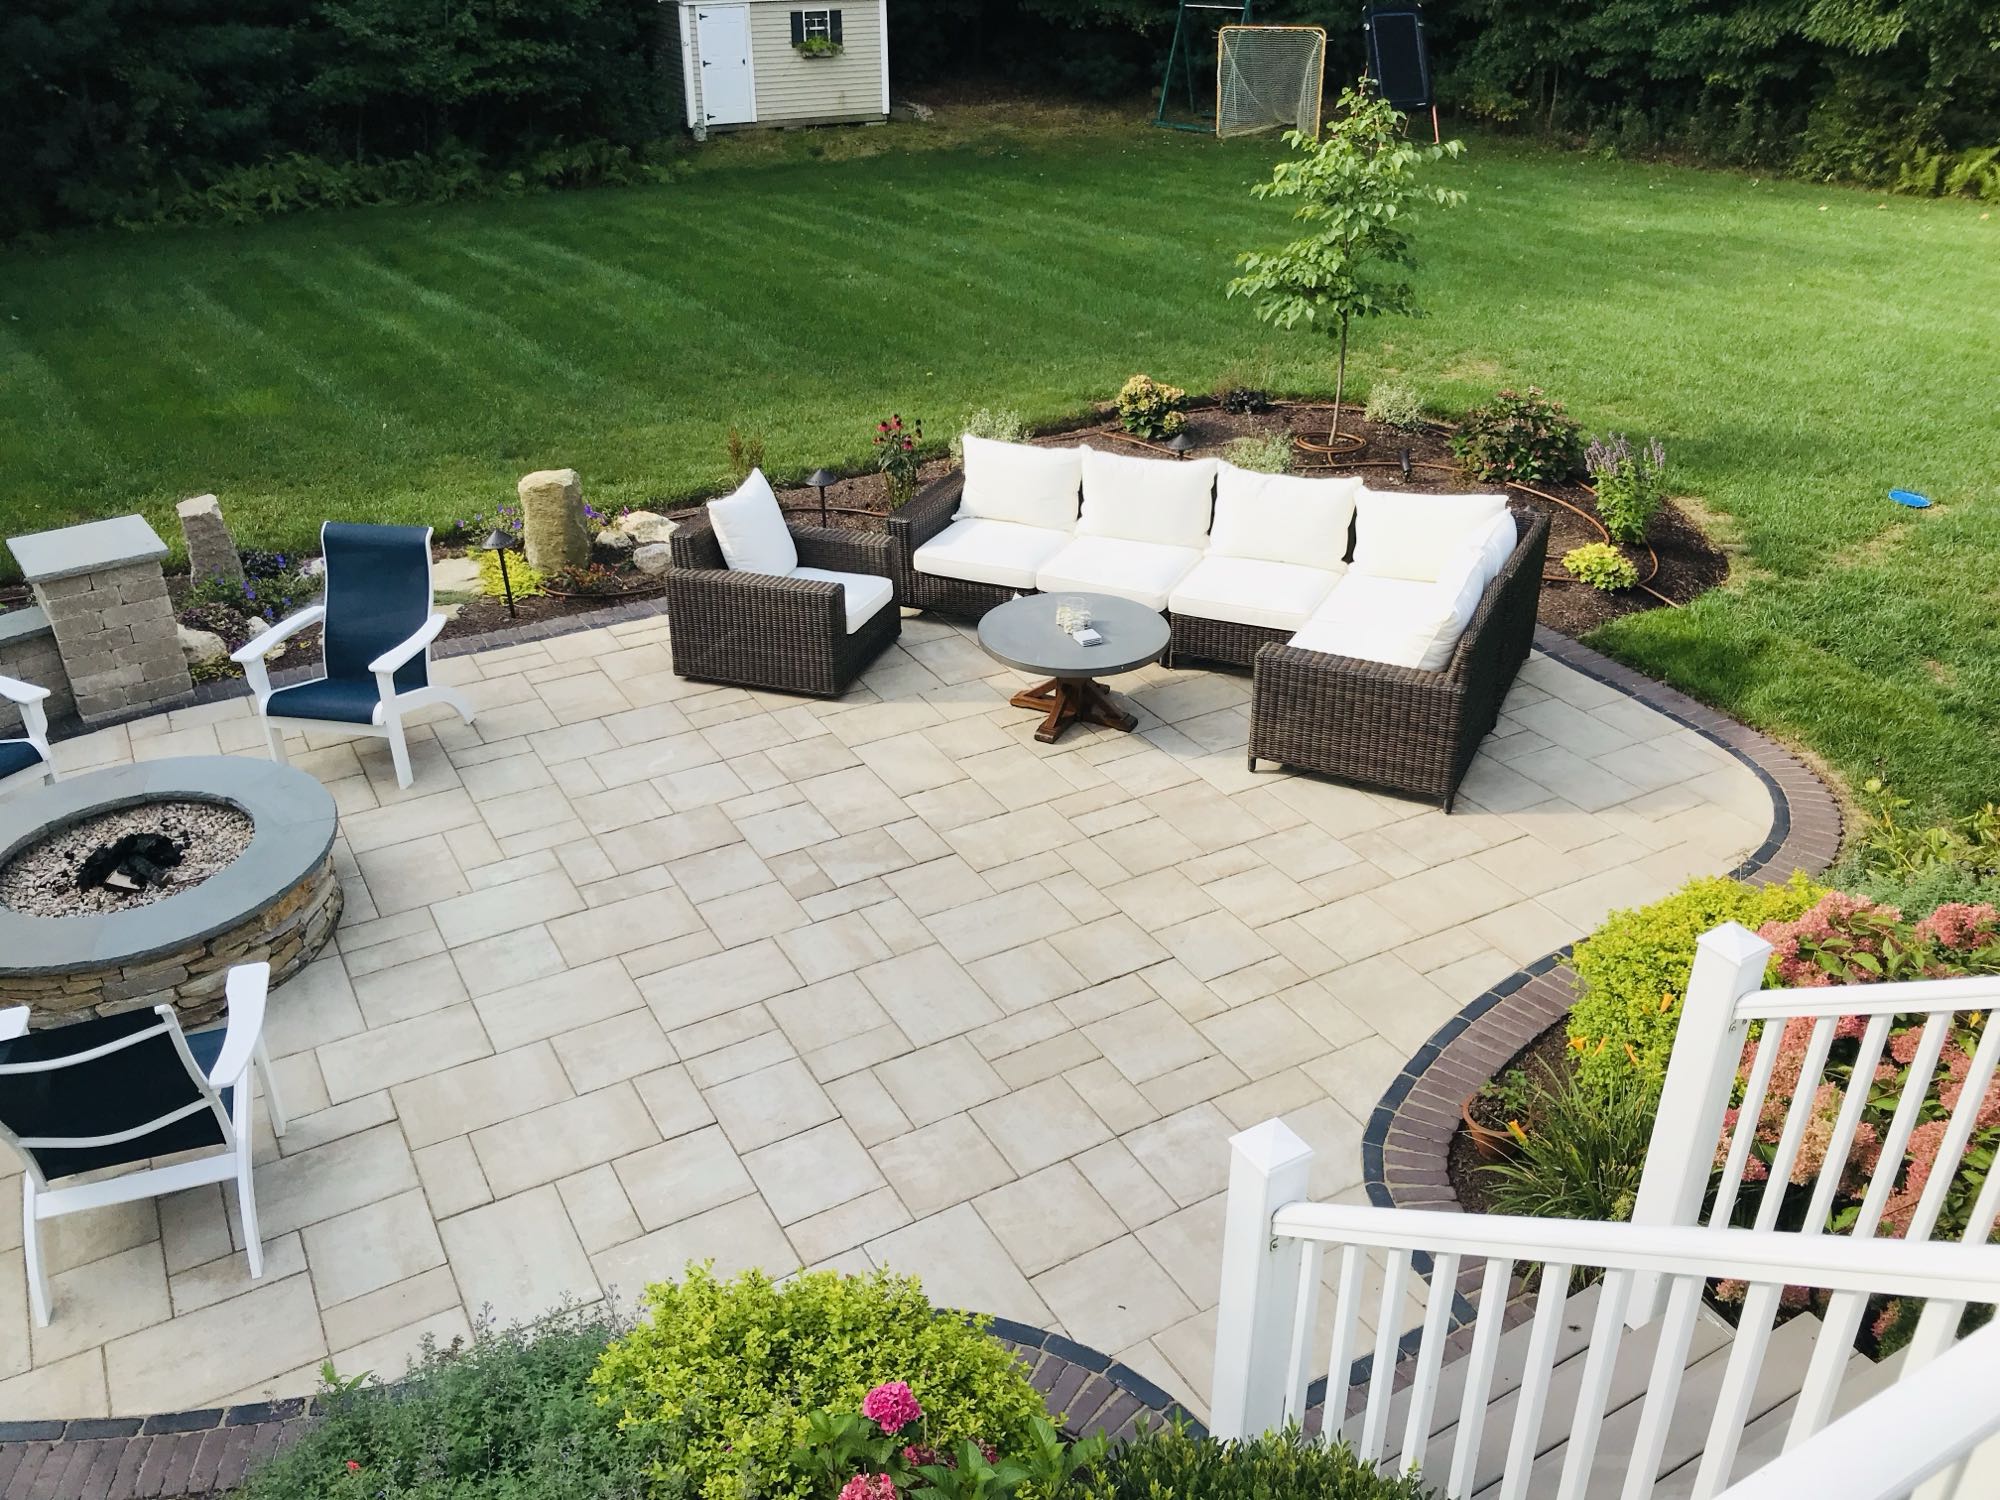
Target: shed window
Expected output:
[815,25]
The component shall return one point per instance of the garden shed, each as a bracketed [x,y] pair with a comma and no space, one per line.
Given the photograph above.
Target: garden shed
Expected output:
[772,62]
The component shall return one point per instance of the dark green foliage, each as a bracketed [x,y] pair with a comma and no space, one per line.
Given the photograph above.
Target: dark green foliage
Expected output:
[1167,1464]
[509,1417]
[1582,1146]
[1519,435]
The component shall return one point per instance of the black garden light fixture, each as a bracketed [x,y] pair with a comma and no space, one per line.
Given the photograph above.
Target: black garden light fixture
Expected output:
[1179,444]
[1403,457]
[819,479]
[498,541]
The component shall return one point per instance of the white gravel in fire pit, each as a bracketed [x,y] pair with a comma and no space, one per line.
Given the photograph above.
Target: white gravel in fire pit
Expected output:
[41,879]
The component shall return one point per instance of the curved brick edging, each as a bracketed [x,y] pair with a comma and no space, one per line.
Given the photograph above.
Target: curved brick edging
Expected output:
[191,1455]
[1407,1142]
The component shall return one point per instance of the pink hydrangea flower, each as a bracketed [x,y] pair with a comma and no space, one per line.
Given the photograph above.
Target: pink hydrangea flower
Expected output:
[916,1455]
[890,1406]
[1958,926]
[869,1487]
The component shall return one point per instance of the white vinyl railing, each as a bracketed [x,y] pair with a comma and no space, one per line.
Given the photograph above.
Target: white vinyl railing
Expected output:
[1725,996]
[1274,1246]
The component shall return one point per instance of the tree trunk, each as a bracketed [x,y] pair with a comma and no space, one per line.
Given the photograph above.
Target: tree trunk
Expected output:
[1339,385]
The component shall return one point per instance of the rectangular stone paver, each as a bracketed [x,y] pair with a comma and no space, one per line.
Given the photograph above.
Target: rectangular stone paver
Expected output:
[644,971]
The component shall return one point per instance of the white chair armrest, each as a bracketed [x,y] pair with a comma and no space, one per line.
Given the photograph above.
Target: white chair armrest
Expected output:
[279,633]
[247,986]
[13,1022]
[395,656]
[15,691]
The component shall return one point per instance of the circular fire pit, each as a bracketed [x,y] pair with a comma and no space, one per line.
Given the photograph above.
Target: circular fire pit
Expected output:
[158,888]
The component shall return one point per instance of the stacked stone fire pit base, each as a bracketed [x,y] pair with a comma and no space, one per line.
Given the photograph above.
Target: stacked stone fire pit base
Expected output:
[277,901]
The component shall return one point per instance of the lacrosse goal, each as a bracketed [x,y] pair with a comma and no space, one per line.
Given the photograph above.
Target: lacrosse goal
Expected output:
[1268,78]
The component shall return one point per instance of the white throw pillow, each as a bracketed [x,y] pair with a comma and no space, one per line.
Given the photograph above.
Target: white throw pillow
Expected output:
[1282,518]
[1164,501]
[1413,536]
[751,529]
[1020,483]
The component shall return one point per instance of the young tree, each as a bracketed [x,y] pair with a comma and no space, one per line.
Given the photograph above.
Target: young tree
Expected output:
[1357,190]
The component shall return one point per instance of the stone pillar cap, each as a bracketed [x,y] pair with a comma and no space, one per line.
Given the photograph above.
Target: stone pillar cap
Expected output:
[197,505]
[70,551]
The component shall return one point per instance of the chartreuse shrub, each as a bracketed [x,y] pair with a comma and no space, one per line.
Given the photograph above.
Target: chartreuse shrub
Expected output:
[1602,566]
[1167,1464]
[717,1383]
[509,1416]
[1270,454]
[1634,969]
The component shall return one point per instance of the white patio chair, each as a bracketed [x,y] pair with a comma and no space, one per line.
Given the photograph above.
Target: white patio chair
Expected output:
[26,755]
[375,645]
[118,1091]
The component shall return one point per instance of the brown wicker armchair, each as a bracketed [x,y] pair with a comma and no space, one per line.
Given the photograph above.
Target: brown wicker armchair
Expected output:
[1399,729]
[928,513]
[759,630]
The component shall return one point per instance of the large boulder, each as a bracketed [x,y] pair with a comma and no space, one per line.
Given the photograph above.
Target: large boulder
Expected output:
[199,646]
[211,549]
[654,558]
[645,526]
[612,547]
[553,531]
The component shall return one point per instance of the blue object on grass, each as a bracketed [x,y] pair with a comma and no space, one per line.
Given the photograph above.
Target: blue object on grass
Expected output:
[1910,498]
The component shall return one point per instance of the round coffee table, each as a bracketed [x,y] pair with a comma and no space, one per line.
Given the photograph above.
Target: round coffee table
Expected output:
[1022,633]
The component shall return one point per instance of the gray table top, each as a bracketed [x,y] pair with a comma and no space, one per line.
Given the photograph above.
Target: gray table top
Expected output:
[1022,633]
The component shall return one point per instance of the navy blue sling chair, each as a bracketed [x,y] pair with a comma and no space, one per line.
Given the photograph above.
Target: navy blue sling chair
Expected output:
[378,626]
[92,1107]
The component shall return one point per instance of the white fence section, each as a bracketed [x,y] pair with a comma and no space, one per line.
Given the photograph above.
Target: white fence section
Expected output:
[1724,997]
[1278,1249]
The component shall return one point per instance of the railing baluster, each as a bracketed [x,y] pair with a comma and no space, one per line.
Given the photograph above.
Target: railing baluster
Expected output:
[1340,1351]
[1600,1363]
[1305,1313]
[1382,1369]
[1860,1083]
[1534,1394]
[1663,1387]
[1430,1359]
[1844,1310]
[1763,1061]
[1797,1117]
[1739,1384]
[1492,1316]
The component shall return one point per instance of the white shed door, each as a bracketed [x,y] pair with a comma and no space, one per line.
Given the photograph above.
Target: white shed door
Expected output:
[722,39]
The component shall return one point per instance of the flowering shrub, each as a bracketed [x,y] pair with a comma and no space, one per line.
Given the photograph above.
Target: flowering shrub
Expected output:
[1602,566]
[1001,424]
[734,1387]
[592,580]
[1845,939]
[1518,435]
[1151,410]
[837,1443]
[897,457]
[1392,403]
[1634,969]
[268,599]
[1630,486]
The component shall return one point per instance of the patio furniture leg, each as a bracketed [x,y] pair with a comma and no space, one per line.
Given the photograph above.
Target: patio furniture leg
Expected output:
[276,738]
[1064,700]
[246,1191]
[269,1080]
[399,749]
[31,1245]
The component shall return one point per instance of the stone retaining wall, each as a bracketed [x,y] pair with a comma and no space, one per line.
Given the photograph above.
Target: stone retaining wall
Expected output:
[28,654]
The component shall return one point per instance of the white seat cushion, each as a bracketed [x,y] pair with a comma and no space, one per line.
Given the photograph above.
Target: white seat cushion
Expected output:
[1163,501]
[751,529]
[1143,572]
[1250,591]
[1413,536]
[1282,518]
[865,593]
[1021,483]
[1393,620]
[990,552]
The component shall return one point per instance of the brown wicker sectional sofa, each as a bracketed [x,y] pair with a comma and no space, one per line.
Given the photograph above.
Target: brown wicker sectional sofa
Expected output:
[1399,729]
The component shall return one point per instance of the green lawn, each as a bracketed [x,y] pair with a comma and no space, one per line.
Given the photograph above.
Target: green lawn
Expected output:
[1799,349]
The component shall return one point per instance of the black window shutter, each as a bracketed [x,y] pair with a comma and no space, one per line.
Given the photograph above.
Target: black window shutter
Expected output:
[833,26]
[798,27]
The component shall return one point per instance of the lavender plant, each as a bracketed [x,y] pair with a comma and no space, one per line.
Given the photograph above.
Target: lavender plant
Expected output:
[1630,484]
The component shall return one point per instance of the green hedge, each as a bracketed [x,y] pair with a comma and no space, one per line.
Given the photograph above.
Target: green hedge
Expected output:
[1167,1464]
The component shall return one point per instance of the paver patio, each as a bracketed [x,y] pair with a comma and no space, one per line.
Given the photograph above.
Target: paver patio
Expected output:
[644,970]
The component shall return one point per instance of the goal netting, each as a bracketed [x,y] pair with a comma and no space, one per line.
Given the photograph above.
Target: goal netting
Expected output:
[1268,78]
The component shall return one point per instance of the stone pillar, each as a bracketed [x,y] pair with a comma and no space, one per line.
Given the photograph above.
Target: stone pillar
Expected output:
[552,530]
[106,598]
[28,654]
[211,549]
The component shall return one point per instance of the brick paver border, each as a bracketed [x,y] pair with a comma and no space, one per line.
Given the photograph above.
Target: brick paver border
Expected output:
[191,1455]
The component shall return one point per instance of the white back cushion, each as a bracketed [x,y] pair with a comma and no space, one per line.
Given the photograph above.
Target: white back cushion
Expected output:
[751,529]
[1282,518]
[1165,501]
[1413,536]
[1017,482]
[1496,544]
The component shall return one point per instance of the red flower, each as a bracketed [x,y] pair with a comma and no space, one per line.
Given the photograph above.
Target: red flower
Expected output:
[353,1466]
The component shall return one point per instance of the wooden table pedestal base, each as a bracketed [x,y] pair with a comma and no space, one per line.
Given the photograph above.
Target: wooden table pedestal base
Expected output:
[1064,700]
